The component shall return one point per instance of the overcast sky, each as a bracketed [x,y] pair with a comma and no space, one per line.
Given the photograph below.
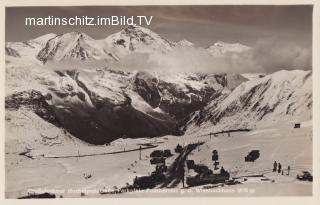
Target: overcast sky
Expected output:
[287,26]
[202,25]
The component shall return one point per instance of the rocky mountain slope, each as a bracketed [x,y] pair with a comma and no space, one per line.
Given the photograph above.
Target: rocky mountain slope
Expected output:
[98,104]
[283,95]
[26,52]
[136,39]
[74,45]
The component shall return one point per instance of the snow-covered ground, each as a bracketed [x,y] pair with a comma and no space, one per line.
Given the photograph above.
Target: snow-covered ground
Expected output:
[281,143]
[23,173]
[53,82]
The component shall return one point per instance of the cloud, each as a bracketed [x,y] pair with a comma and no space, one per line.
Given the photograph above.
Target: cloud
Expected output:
[186,59]
[268,55]
[135,61]
[273,55]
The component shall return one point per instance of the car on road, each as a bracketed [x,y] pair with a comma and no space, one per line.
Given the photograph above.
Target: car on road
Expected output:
[157,160]
[305,176]
[156,153]
[161,153]
[252,156]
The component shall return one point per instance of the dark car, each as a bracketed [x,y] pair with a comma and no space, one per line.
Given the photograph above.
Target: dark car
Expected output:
[157,153]
[252,156]
[157,160]
[305,176]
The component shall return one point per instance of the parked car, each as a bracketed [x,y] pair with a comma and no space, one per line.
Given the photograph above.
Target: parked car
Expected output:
[157,160]
[305,176]
[157,153]
[252,156]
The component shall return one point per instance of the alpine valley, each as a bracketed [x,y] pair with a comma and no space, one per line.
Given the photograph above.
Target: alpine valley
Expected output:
[72,109]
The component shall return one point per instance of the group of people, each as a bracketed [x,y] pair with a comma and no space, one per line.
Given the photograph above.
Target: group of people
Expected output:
[277,167]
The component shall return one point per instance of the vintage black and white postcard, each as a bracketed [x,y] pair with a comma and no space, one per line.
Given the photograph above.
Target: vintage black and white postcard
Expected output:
[135,101]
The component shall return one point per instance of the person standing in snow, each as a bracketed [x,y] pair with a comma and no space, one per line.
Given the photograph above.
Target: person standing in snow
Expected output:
[288,170]
[274,166]
[279,167]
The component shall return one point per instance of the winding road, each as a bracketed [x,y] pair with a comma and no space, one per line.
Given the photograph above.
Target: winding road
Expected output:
[175,173]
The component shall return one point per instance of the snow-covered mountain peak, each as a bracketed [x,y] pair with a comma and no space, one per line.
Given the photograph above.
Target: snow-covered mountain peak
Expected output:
[75,35]
[73,45]
[42,40]
[283,95]
[130,40]
[142,34]
[24,53]
[136,39]
[136,31]
[184,42]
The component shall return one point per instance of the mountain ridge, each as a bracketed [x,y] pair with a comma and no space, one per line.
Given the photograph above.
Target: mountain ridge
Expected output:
[283,95]
[98,103]
[131,39]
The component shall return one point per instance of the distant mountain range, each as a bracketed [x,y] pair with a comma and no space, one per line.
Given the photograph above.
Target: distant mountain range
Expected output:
[132,39]
[99,104]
